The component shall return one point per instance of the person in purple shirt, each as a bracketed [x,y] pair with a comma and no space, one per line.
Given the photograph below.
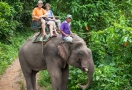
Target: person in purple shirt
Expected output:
[65,29]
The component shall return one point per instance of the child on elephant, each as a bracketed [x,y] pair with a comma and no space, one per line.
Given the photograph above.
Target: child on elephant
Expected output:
[38,15]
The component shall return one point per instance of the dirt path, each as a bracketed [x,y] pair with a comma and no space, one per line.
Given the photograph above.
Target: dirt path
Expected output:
[13,78]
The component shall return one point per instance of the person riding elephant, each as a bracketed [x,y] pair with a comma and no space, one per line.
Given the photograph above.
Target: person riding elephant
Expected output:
[38,15]
[55,58]
[51,17]
[65,29]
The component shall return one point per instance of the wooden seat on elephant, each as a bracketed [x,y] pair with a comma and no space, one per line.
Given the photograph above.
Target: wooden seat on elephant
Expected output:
[40,28]
[34,28]
[37,37]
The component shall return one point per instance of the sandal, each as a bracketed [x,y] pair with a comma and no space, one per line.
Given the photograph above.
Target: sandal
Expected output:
[45,35]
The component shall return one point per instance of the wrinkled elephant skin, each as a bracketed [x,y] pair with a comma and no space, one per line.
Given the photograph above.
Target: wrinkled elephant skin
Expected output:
[55,57]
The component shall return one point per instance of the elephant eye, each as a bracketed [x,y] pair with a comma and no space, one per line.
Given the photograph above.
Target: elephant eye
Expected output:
[81,53]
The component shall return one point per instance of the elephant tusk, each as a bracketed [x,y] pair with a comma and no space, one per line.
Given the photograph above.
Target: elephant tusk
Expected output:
[86,69]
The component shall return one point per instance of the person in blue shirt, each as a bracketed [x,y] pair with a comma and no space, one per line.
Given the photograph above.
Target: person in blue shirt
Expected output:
[51,17]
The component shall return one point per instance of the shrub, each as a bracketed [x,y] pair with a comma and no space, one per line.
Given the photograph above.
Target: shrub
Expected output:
[112,52]
[7,23]
[44,79]
[9,52]
[96,14]
[7,55]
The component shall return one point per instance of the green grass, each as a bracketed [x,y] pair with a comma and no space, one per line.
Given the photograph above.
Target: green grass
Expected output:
[9,49]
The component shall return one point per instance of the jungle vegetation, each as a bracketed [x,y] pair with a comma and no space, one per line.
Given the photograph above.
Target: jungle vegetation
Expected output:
[105,25]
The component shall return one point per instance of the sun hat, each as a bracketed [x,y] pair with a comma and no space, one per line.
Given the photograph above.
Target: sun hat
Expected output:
[40,1]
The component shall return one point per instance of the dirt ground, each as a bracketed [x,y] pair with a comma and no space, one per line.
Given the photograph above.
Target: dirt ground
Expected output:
[13,78]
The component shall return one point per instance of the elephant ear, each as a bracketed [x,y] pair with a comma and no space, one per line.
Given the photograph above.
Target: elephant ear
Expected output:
[63,49]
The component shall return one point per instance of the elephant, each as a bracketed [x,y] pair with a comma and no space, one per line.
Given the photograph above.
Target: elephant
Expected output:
[55,57]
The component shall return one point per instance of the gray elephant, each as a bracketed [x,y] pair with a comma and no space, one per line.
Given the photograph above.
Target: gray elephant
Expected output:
[55,57]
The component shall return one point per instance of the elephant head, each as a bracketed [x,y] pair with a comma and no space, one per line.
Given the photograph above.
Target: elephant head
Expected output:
[79,56]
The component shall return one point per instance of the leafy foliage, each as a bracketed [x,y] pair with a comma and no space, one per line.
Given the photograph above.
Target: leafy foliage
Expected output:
[9,52]
[96,14]
[105,25]
[6,59]
[110,40]
[7,24]
[44,79]
[111,47]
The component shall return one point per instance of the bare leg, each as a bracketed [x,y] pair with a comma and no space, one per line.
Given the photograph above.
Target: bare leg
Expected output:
[43,26]
[58,23]
[55,32]
[54,27]
[51,27]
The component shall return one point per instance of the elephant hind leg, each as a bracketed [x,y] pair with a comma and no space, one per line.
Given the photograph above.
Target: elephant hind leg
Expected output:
[33,78]
[28,81]
[27,74]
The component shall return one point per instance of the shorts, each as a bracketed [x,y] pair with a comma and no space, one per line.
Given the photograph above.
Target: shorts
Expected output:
[36,23]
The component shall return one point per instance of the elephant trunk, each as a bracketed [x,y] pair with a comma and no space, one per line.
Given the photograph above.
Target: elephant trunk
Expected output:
[89,74]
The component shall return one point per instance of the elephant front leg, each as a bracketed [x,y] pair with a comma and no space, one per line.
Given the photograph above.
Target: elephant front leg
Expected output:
[56,79]
[65,74]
